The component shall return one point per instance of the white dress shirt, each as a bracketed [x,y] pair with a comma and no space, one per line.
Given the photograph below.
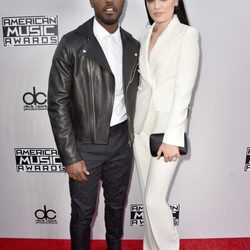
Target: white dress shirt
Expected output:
[112,47]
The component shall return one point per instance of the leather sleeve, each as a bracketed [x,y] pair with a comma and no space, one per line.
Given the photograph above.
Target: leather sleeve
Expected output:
[59,103]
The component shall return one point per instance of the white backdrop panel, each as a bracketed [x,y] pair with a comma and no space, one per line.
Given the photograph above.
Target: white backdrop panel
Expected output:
[211,184]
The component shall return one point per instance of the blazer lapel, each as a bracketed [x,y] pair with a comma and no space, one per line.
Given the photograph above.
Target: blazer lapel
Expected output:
[144,57]
[148,64]
[165,38]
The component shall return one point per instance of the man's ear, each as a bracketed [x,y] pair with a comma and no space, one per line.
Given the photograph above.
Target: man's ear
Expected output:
[91,3]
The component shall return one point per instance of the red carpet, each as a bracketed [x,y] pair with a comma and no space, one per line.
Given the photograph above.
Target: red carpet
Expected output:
[197,244]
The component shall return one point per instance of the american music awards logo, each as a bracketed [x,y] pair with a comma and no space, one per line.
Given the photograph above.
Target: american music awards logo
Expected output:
[30,30]
[33,160]
[176,213]
[247,163]
[137,217]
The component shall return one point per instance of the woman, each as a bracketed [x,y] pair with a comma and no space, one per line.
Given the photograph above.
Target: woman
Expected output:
[168,64]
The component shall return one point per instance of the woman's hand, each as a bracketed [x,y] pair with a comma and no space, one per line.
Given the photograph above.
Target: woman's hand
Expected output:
[170,152]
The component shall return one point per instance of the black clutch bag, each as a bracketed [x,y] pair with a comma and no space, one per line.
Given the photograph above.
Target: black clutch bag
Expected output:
[155,140]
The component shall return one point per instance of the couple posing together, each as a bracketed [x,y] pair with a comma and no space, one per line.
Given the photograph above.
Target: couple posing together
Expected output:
[103,108]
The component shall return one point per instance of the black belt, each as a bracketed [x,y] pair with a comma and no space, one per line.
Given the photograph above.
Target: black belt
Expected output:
[118,126]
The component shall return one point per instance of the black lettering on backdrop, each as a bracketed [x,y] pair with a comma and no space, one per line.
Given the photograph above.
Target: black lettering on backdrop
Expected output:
[30,98]
[44,214]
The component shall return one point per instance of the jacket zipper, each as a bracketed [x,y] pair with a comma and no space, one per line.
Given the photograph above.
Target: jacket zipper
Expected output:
[93,109]
[129,82]
[132,75]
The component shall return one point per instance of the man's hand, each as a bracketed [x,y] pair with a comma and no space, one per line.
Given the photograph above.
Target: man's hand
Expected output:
[171,152]
[78,171]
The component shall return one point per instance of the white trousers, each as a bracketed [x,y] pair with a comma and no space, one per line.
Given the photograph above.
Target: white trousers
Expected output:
[155,177]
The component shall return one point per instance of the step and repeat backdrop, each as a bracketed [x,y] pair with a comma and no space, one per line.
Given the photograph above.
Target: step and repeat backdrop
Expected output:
[210,193]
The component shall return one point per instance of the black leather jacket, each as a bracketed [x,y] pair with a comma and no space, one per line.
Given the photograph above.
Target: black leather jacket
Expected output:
[81,90]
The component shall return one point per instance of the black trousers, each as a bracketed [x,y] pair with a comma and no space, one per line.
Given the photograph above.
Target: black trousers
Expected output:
[110,163]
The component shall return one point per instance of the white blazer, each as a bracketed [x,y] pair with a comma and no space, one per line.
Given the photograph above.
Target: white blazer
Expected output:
[167,80]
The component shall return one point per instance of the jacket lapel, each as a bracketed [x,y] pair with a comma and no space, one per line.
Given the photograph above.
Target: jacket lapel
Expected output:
[92,49]
[130,56]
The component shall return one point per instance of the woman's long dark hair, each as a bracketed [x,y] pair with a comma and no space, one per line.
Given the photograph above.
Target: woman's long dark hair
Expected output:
[178,10]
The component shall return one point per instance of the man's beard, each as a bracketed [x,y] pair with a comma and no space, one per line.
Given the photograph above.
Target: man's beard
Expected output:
[111,21]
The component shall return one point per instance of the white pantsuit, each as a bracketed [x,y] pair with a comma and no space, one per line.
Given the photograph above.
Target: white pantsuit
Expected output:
[167,78]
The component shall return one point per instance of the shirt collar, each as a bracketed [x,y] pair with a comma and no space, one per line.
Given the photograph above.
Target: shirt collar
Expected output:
[100,32]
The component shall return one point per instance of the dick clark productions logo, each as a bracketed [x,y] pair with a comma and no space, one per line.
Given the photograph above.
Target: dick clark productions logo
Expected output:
[30,30]
[45,216]
[34,100]
[137,217]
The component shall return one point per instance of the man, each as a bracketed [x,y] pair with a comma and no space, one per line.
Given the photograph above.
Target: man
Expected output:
[91,99]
